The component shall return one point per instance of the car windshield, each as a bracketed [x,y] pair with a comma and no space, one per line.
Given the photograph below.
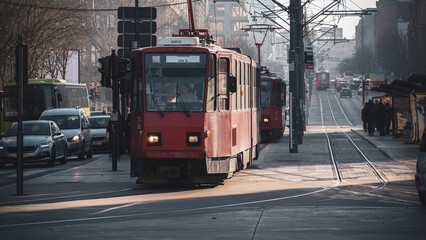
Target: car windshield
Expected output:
[64,121]
[98,122]
[28,129]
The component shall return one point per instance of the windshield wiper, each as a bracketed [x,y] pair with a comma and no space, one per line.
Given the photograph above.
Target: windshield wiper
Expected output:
[183,105]
[157,106]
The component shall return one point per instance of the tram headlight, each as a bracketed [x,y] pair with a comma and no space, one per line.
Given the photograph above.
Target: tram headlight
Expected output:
[193,139]
[266,120]
[154,139]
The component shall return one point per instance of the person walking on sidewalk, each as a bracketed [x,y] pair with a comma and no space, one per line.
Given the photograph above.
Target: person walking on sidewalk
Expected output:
[371,117]
[381,118]
[389,118]
[364,117]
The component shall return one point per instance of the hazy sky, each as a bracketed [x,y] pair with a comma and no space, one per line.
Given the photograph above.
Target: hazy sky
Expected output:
[347,23]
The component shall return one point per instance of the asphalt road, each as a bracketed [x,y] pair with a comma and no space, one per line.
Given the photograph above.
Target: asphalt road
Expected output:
[304,195]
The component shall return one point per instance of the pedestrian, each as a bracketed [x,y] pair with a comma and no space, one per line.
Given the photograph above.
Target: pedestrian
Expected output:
[381,118]
[371,117]
[364,117]
[389,118]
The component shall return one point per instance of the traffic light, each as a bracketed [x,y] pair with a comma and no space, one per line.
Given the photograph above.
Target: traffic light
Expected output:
[122,66]
[105,70]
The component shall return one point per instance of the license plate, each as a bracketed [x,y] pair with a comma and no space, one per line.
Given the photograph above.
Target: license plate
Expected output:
[97,143]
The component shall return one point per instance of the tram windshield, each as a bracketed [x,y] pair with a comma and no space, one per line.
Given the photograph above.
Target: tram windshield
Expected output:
[322,76]
[175,81]
[265,94]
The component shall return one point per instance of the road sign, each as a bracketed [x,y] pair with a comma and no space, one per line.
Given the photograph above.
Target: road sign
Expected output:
[145,13]
[309,66]
[130,27]
[144,40]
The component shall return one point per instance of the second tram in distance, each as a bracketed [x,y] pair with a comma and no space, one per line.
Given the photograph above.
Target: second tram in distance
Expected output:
[195,116]
[272,104]
[322,78]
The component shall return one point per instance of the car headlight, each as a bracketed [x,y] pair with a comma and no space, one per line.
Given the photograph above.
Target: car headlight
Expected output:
[75,138]
[1,147]
[43,145]
[266,120]
[107,136]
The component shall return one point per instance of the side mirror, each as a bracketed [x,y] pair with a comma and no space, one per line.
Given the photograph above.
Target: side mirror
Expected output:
[232,84]
[86,126]
[57,133]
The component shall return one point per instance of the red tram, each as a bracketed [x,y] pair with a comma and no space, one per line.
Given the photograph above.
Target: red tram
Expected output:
[272,103]
[322,78]
[195,116]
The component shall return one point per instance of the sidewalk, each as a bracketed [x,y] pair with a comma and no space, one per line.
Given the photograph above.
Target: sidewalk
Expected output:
[394,148]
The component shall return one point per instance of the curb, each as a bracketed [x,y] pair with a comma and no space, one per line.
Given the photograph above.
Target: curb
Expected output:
[375,145]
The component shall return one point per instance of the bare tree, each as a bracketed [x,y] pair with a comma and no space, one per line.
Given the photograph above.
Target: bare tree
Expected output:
[47,27]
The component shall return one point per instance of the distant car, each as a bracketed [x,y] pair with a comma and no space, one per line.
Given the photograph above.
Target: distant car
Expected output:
[340,84]
[100,136]
[98,113]
[42,141]
[355,83]
[360,90]
[346,92]
[420,176]
[75,125]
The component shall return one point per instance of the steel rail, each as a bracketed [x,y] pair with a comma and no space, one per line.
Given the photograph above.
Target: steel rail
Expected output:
[381,177]
[333,160]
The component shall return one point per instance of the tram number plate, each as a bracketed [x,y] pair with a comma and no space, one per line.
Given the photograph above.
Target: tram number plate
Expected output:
[169,172]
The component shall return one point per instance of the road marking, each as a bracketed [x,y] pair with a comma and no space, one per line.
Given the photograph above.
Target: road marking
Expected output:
[161,212]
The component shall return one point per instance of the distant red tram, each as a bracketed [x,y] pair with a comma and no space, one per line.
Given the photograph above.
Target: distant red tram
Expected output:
[272,103]
[322,78]
[195,114]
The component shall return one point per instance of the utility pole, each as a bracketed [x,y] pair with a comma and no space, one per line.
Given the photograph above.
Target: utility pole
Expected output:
[301,77]
[294,72]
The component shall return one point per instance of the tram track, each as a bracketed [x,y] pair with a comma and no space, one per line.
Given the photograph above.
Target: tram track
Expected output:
[344,169]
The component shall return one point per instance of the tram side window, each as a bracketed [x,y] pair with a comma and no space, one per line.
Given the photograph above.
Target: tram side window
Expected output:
[239,87]
[246,86]
[211,85]
[223,88]
[234,95]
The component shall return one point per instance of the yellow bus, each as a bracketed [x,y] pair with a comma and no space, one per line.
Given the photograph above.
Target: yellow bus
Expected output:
[42,94]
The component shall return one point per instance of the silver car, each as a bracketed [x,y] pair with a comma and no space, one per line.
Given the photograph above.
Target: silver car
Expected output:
[42,141]
[76,127]
[100,135]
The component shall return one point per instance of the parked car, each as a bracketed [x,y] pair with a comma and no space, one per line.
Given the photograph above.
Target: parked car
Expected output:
[42,141]
[100,136]
[346,92]
[75,125]
[420,176]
